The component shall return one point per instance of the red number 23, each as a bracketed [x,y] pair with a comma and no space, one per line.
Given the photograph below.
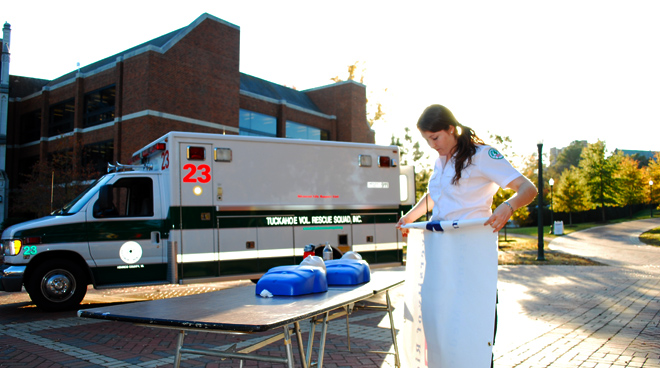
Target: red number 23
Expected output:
[204,175]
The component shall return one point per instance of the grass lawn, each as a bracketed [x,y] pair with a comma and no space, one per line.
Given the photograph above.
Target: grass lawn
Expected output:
[651,237]
[524,251]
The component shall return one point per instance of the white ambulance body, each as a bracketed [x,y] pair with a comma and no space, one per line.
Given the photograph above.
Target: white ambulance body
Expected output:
[206,207]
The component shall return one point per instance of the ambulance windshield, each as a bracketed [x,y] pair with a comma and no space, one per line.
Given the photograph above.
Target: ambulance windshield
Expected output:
[75,205]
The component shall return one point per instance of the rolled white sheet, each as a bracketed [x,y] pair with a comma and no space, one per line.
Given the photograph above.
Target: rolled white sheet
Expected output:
[451,281]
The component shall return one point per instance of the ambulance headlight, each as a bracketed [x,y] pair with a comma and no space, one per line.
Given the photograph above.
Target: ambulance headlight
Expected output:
[12,247]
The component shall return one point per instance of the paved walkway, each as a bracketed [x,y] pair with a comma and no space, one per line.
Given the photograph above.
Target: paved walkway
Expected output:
[584,316]
[549,316]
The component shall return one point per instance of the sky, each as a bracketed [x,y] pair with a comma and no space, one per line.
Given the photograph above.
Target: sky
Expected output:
[534,71]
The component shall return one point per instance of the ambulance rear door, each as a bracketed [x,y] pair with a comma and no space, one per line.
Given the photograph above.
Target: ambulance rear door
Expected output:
[198,253]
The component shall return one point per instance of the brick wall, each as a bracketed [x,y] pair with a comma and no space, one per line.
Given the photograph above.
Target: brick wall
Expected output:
[348,101]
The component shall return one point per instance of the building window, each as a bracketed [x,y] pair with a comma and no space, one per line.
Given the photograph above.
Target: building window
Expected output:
[98,155]
[99,106]
[30,129]
[254,123]
[61,118]
[300,131]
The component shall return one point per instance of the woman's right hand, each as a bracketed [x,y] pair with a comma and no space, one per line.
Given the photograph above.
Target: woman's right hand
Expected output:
[403,221]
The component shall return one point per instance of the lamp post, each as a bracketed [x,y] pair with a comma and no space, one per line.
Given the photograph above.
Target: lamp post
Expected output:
[552,203]
[651,195]
[540,256]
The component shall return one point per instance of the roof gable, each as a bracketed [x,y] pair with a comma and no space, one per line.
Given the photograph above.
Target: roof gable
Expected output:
[159,44]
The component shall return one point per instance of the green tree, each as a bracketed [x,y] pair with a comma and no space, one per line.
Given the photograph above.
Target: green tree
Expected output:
[653,173]
[411,154]
[569,156]
[504,145]
[631,182]
[410,151]
[571,194]
[599,172]
[520,216]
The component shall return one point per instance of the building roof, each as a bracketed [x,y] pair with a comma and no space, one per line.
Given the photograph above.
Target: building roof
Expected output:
[158,42]
[646,154]
[25,86]
[251,85]
[277,92]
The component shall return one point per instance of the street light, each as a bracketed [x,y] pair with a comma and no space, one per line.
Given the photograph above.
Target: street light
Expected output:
[540,256]
[651,195]
[552,209]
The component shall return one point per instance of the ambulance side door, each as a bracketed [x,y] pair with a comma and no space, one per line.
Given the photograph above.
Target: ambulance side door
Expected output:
[125,228]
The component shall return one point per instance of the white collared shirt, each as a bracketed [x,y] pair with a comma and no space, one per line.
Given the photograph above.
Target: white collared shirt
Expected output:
[472,197]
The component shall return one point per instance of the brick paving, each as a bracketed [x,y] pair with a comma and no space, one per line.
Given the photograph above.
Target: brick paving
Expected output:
[549,316]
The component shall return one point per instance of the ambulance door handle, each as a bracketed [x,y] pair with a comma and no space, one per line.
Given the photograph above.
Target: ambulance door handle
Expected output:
[155,237]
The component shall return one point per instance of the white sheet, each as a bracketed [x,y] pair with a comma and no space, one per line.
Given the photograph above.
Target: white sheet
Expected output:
[451,293]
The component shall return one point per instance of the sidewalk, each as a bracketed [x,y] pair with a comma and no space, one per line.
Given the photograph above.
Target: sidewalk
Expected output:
[578,316]
[584,316]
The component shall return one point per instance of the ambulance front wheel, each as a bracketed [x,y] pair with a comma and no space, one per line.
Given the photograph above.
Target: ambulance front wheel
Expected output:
[56,285]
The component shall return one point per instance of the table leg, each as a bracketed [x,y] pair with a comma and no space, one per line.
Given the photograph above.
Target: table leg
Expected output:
[310,342]
[287,345]
[179,344]
[348,330]
[397,362]
[324,331]
[301,348]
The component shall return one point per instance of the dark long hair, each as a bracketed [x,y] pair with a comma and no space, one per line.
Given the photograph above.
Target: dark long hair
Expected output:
[436,118]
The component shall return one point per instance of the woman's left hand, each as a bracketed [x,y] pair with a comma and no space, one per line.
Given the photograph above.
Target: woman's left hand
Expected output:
[525,193]
[500,217]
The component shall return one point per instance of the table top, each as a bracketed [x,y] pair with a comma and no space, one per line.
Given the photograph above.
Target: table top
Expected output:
[240,309]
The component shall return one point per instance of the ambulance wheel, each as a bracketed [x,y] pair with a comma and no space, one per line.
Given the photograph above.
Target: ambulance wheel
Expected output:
[56,285]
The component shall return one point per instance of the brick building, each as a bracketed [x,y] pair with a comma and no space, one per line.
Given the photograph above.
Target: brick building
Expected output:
[186,80]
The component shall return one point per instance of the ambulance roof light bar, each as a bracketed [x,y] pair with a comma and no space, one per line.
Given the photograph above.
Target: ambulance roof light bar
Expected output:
[161,146]
[121,167]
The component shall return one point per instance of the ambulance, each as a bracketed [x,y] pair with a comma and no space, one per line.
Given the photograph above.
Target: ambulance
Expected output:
[195,207]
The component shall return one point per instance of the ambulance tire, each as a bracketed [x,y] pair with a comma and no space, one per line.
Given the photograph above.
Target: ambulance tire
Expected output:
[56,285]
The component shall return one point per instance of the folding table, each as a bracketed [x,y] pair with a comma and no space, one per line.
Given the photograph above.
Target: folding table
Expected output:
[240,311]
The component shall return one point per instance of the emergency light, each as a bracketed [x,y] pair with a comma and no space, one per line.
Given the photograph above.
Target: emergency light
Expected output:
[384,161]
[196,153]
[222,155]
[364,161]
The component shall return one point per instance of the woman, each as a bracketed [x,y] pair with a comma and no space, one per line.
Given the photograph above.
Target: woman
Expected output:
[466,176]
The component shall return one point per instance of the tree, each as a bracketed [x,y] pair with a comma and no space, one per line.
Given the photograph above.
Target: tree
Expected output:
[631,182]
[599,173]
[411,154]
[375,111]
[571,195]
[52,183]
[405,148]
[519,216]
[653,173]
[569,156]
[503,144]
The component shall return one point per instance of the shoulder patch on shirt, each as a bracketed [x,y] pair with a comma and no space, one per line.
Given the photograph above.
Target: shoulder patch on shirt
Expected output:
[495,154]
